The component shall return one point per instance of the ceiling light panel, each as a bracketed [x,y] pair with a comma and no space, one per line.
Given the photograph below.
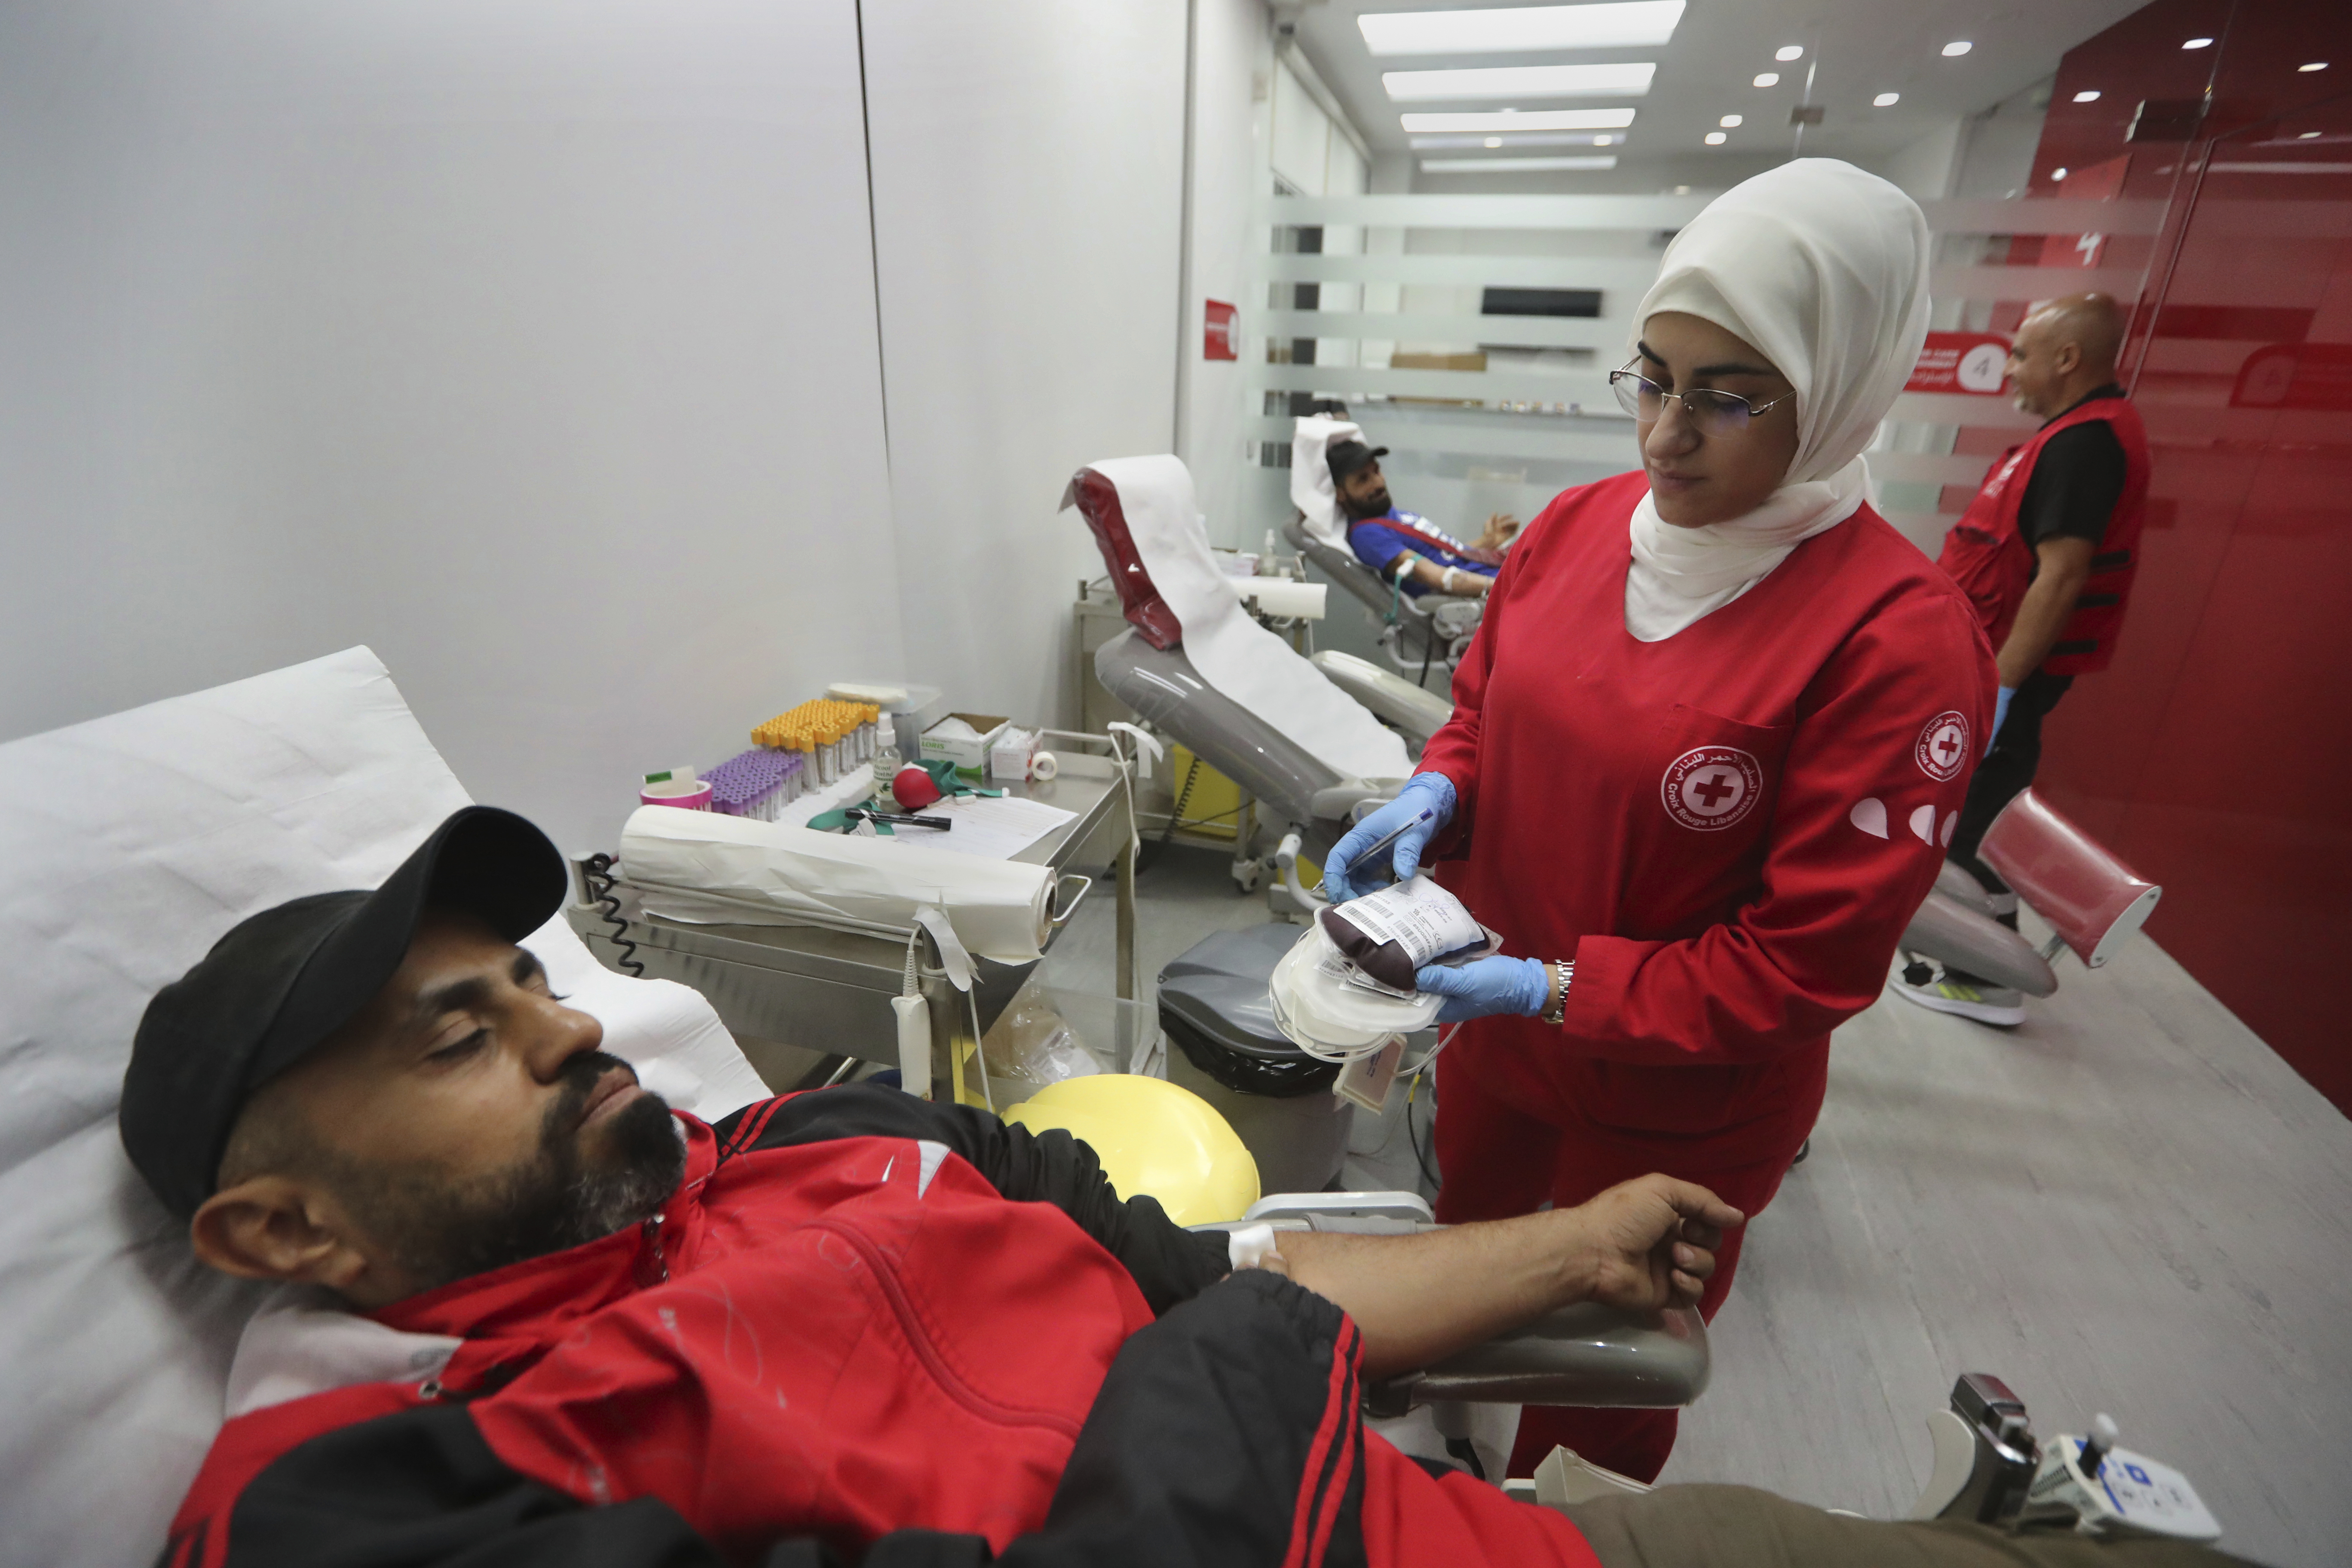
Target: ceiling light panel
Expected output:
[1730,122]
[1790,52]
[1514,165]
[1770,78]
[1885,100]
[2087,98]
[2197,44]
[1487,124]
[1956,47]
[1631,79]
[1559,139]
[1717,138]
[1509,31]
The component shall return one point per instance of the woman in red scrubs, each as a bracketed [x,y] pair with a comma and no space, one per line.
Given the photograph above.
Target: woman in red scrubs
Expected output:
[1705,751]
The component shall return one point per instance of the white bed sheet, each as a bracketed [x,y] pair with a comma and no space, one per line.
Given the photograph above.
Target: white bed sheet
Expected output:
[127,845]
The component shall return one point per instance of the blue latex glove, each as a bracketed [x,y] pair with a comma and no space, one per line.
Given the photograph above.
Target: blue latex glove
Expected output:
[1999,713]
[1486,987]
[1431,792]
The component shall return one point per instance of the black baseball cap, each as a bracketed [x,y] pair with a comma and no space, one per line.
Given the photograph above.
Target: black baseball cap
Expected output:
[280,982]
[1349,456]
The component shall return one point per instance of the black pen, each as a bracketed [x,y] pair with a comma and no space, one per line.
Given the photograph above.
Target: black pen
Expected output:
[868,814]
[1385,839]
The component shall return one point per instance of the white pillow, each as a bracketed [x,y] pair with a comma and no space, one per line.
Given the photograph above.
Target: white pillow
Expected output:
[127,845]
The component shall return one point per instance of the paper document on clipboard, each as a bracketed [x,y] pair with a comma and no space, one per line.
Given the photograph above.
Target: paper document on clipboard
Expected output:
[992,827]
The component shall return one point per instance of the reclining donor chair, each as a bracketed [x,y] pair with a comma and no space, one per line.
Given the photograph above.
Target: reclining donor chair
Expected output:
[2092,901]
[1193,665]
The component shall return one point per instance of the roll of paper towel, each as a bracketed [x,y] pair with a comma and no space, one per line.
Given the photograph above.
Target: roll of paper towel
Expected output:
[687,863]
[1282,596]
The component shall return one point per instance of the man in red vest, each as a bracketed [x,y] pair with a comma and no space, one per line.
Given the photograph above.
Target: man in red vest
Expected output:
[2046,552]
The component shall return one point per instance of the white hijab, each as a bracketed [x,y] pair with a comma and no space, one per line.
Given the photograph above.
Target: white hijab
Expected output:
[1824,268]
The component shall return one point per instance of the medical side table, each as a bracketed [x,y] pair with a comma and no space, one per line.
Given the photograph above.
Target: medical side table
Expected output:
[829,990]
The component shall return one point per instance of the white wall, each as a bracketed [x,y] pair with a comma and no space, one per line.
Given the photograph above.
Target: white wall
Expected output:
[1925,167]
[1028,172]
[530,342]
[1233,61]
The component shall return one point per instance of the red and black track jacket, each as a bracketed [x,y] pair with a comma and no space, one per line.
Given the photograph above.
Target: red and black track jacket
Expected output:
[839,1340]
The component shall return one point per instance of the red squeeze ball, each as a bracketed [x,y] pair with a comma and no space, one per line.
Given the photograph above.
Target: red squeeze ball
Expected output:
[913,788]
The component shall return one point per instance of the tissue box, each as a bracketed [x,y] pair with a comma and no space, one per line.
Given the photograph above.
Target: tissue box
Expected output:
[1008,758]
[969,757]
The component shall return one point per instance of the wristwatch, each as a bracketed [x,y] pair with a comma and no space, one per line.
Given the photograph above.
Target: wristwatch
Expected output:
[1563,969]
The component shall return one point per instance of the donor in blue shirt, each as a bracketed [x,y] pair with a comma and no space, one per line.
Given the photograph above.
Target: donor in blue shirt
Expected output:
[1406,547]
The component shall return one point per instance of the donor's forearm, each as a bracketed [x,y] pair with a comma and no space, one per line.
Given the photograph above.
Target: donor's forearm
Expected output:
[1419,1299]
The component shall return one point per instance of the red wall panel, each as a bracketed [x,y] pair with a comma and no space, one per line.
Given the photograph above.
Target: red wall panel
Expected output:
[2216,755]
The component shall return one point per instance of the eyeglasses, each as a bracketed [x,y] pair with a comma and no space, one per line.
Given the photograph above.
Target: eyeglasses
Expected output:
[1711,413]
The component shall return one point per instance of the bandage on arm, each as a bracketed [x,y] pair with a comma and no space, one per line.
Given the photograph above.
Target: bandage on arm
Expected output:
[1456,580]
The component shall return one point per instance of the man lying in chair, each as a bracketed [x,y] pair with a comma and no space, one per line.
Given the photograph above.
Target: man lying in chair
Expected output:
[1406,547]
[840,1325]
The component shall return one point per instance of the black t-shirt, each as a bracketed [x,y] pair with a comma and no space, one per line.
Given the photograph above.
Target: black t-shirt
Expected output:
[2077,478]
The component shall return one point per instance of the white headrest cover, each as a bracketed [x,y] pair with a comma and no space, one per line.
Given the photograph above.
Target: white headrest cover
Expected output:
[1311,490]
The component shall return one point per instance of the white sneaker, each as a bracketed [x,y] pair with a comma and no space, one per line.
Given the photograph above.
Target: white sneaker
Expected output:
[1949,991]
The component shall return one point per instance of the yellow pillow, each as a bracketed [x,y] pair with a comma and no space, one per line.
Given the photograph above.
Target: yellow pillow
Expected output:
[1151,1136]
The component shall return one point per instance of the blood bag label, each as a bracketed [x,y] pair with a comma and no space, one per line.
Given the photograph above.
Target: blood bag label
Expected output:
[1419,916]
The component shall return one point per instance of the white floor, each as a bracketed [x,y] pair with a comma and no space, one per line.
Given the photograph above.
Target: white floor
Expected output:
[2129,1204]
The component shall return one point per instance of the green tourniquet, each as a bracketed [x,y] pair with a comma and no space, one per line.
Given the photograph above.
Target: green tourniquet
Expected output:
[943,773]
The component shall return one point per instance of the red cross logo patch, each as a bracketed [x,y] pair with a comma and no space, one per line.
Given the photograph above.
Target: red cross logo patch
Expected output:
[1711,787]
[1943,746]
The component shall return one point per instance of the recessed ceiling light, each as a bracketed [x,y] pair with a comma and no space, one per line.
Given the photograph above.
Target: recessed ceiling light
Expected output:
[2306,135]
[2314,66]
[2197,44]
[2057,174]
[1520,27]
[1790,52]
[1956,47]
[1729,122]
[1536,120]
[1630,79]
[1770,78]
[1517,166]
[1885,99]
[1556,139]
[1717,138]
[2087,98]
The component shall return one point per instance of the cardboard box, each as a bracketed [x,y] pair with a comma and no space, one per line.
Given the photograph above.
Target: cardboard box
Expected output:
[969,757]
[1008,757]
